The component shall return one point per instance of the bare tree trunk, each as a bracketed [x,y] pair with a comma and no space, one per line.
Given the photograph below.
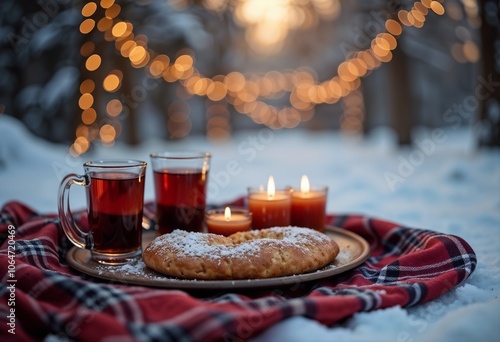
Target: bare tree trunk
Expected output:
[489,109]
[402,106]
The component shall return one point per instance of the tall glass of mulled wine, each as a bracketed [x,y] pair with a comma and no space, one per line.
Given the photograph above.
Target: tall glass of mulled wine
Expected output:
[115,201]
[180,180]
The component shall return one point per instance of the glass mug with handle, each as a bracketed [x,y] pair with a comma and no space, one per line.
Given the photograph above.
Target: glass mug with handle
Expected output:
[115,202]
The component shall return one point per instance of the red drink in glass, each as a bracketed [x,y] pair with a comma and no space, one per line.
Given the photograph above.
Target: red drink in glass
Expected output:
[180,199]
[115,200]
[115,203]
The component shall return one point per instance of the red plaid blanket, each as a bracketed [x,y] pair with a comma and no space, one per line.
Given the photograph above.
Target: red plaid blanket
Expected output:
[42,296]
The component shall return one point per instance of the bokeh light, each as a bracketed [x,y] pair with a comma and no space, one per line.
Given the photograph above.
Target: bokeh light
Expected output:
[267,25]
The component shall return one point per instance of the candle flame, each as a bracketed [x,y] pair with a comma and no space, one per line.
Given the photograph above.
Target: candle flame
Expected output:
[271,189]
[227,214]
[304,184]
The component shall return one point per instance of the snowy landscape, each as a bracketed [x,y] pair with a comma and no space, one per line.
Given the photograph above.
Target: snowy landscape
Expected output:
[394,106]
[442,183]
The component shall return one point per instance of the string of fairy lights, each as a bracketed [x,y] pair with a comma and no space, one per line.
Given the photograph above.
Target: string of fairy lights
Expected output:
[246,93]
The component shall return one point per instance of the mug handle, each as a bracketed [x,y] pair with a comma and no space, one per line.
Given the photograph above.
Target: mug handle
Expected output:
[77,236]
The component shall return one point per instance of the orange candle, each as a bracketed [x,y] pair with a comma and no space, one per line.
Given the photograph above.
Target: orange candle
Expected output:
[309,206]
[269,208]
[226,221]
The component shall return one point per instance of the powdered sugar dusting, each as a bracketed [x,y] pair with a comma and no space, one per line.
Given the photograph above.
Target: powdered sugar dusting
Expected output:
[136,268]
[190,244]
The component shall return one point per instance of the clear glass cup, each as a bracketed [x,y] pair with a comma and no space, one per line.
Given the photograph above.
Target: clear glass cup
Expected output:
[180,180]
[115,202]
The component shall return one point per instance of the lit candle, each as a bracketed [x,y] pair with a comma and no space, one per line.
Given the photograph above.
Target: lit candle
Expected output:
[269,208]
[309,206]
[226,221]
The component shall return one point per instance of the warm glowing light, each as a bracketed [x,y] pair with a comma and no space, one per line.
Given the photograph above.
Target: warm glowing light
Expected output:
[289,117]
[304,184]
[182,67]
[385,41]
[93,62]
[218,133]
[87,49]
[107,3]
[114,108]
[89,9]
[113,11]
[111,83]
[344,72]
[271,188]
[419,6]
[371,61]
[87,86]
[403,17]
[87,25]
[426,3]
[201,85]
[119,29]
[355,67]
[267,25]
[159,65]
[227,214]
[327,8]
[215,5]
[419,16]
[216,91]
[107,133]
[437,8]
[471,52]
[385,58]
[250,92]
[143,62]
[137,54]
[89,116]
[183,63]
[86,101]
[104,24]
[127,47]
[392,26]
[81,145]
[379,50]
[190,82]
[82,131]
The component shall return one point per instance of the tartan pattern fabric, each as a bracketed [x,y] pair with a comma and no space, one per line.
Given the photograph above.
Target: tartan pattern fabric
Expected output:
[406,267]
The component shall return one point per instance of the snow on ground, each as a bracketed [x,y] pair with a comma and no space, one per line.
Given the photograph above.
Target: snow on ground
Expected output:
[443,183]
